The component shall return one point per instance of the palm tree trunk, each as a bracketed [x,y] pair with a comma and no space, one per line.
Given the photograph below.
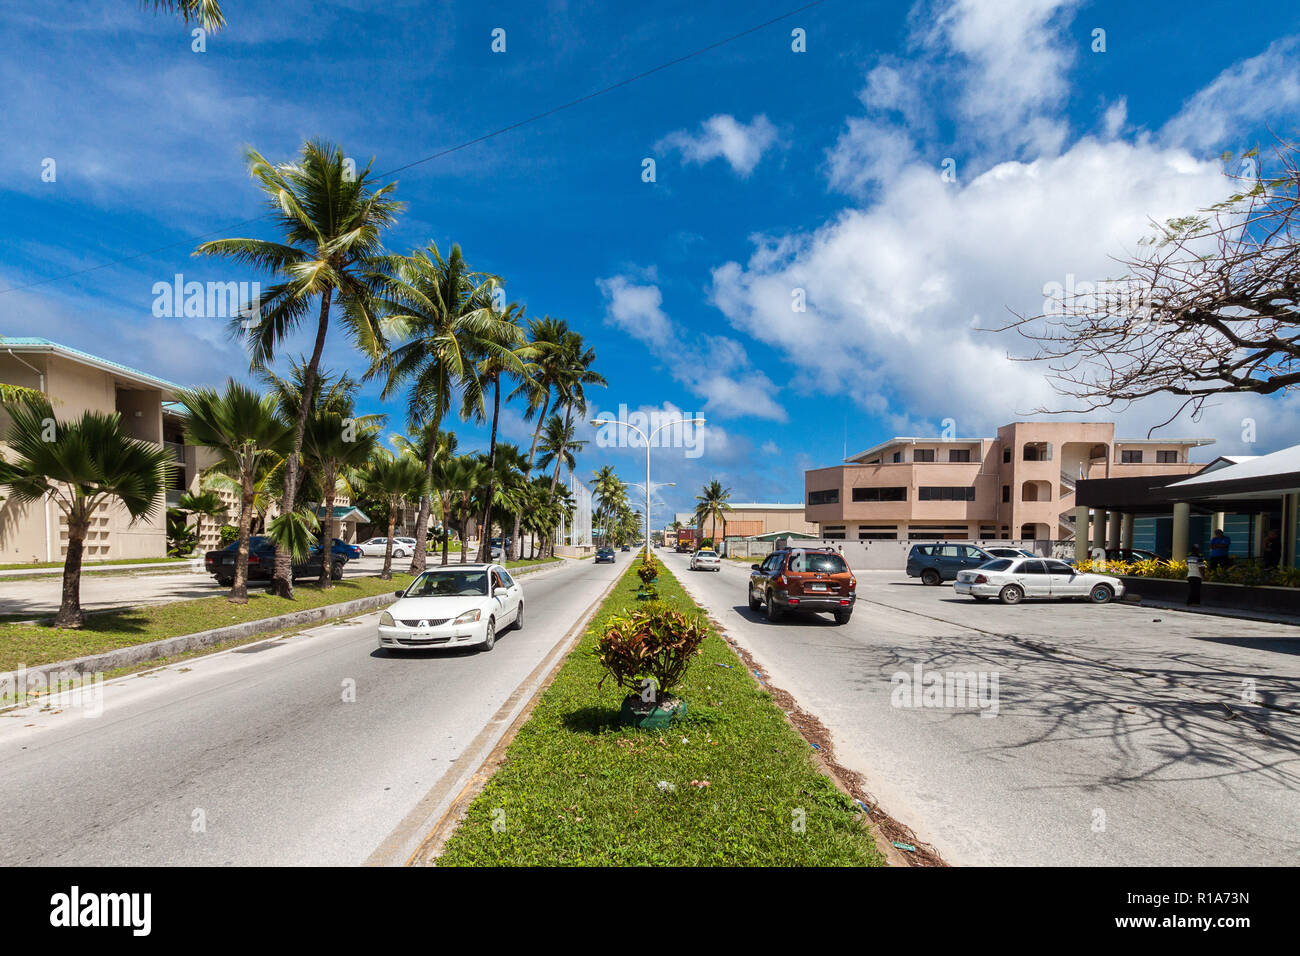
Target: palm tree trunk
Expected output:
[239,589]
[446,529]
[282,578]
[70,614]
[485,546]
[418,559]
[327,544]
[559,453]
[387,573]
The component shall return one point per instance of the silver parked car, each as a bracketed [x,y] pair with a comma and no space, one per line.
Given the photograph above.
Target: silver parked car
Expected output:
[1012,580]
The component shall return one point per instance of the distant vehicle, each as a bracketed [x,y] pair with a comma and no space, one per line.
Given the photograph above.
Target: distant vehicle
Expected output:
[605,554]
[375,547]
[454,606]
[341,549]
[803,579]
[625,548]
[1002,551]
[220,563]
[933,563]
[706,559]
[1132,555]
[1013,580]
[683,549]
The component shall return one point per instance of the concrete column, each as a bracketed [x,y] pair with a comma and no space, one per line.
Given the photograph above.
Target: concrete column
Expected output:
[1081,533]
[1098,528]
[1257,539]
[1112,536]
[1220,519]
[1182,514]
[1288,531]
[1126,532]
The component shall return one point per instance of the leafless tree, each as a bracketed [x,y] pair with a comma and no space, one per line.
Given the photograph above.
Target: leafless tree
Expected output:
[1208,305]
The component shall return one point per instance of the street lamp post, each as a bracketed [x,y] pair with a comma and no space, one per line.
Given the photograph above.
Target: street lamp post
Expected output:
[680,421]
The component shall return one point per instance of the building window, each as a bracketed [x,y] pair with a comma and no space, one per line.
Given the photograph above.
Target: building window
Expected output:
[1006,493]
[957,493]
[1006,456]
[833,535]
[1037,451]
[923,454]
[831,497]
[1167,457]
[879,494]
[898,456]
[959,454]
[877,535]
[1131,456]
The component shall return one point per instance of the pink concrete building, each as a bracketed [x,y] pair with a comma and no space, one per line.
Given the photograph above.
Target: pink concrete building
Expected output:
[1018,485]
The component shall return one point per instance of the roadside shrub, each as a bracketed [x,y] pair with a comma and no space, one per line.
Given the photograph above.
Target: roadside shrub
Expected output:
[1247,573]
[648,571]
[229,534]
[652,641]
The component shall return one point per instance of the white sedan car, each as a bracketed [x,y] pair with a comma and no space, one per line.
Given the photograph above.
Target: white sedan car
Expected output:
[456,606]
[706,560]
[375,547]
[1012,580]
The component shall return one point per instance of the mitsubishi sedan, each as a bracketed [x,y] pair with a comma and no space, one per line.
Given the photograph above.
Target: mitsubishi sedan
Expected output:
[465,605]
[1014,580]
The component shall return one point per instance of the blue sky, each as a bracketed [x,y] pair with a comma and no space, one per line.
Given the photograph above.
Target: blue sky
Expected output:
[776,171]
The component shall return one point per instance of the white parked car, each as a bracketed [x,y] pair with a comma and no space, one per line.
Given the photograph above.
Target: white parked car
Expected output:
[1012,580]
[1003,551]
[706,560]
[402,547]
[460,606]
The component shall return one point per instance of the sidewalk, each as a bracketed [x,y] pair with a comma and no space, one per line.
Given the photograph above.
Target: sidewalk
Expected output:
[186,564]
[1242,615]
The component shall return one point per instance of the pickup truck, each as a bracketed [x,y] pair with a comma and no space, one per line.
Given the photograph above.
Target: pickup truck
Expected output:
[261,562]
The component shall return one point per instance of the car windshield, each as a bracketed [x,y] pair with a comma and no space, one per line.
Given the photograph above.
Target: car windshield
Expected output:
[449,583]
[824,563]
[705,553]
[1001,564]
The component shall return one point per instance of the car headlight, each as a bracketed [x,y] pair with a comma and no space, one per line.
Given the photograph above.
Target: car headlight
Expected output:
[386,620]
[469,617]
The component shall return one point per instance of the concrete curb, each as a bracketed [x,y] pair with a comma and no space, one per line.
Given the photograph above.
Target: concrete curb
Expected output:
[169,646]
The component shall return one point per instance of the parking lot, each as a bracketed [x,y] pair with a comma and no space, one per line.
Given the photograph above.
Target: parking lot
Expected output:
[1078,734]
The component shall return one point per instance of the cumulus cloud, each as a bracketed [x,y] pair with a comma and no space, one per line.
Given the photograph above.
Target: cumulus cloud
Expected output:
[723,137]
[636,309]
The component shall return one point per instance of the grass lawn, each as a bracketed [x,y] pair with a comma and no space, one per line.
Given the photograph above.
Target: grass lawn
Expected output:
[728,784]
[35,644]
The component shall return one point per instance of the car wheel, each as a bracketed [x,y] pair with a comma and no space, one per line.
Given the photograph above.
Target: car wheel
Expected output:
[226,582]
[1101,594]
[754,603]
[930,576]
[519,618]
[399,553]
[1011,594]
[774,613]
[336,572]
[842,617]
[490,641]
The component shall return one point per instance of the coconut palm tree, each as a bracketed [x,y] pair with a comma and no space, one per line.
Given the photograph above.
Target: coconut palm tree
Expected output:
[331,217]
[442,313]
[712,505]
[546,335]
[575,375]
[559,445]
[204,503]
[611,495]
[335,446]
[432,444]
[506,352]
[206,12]
[79,465]
[250,441]
[396,479]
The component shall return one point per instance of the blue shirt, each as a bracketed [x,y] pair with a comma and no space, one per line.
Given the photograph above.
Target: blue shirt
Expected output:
[1219,546]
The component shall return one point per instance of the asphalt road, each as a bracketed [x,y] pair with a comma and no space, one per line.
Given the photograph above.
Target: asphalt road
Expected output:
[1120,736]
[253,756]
[101,590]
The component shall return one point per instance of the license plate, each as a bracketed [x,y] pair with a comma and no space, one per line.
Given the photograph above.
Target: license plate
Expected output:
[816,587]
[227,560]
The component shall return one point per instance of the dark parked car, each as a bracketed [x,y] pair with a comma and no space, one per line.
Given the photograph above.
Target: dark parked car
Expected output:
[803,579]
[341,549]
[933,563]
[1131,555]
[605,554]
[261,562]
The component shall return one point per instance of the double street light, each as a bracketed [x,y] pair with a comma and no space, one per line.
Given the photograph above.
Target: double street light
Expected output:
[646,438]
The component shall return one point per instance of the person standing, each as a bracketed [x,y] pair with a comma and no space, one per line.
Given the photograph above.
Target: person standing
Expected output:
[1220,545]
[1194,573]
[1272,548]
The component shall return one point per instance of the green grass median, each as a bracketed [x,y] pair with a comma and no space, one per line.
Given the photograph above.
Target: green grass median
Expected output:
[32,645]
[732,783]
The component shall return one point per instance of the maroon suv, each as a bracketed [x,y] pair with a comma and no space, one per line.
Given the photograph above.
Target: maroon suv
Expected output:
[803,579]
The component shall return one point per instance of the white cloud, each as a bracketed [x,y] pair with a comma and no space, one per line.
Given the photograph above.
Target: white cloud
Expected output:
[723,137]
[1264,89]
[636,309]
